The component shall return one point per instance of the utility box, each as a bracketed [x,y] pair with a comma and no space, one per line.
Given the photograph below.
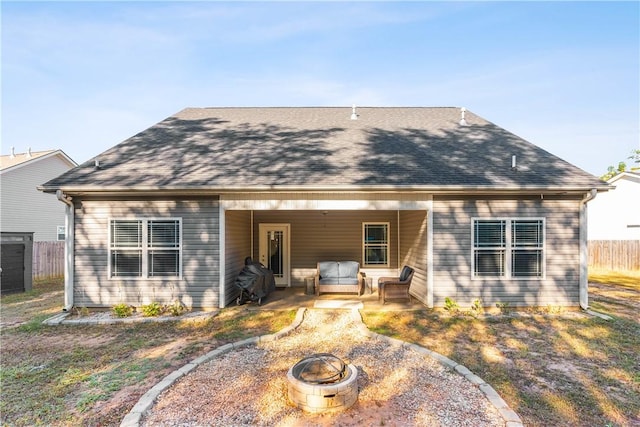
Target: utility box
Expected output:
[16,258]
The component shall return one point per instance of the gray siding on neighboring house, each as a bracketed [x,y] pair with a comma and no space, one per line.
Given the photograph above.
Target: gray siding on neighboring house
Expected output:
[237,248]
[334,236]
[452,252]
[413,249]
[25,209]
[200,253]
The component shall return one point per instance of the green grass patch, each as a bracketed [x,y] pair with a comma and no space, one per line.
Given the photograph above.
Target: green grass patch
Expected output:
[102,385]
[40,287]
[34,324]
[624,279]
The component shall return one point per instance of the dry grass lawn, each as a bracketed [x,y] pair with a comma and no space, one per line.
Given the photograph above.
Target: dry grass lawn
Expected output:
[93,375]
[552,367]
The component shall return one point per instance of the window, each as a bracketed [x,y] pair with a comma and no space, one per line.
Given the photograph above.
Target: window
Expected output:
[526,248]
[145,248]
[508,248]
[375,244]
[61,232]
[489,243]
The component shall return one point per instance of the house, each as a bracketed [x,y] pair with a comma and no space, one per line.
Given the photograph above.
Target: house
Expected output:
[22,207]
[478,212]
[615,215]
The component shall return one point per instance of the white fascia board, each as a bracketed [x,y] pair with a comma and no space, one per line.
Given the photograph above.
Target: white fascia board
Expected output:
[208,191]
[301,204]
[35,160]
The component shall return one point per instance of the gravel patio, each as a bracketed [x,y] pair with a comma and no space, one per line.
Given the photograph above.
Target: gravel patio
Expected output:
[399,384]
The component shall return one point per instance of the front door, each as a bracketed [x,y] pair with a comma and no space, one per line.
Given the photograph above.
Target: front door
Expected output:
[274,251]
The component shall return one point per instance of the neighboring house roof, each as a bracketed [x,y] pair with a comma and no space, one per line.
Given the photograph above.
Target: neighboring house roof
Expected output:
[16,160]
[633,176]
[232,149]
[24,208]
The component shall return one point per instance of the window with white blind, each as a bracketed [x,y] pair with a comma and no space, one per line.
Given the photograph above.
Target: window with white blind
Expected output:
[508,247]
[375,244]
[145,248]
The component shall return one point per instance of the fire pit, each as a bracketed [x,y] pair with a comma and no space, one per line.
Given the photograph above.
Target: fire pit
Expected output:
[322,383]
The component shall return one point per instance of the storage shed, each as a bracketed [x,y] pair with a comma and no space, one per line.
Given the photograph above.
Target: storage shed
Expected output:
[15,260]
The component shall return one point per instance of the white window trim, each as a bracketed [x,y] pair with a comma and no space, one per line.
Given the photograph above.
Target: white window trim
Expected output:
[145,249]
[508,248]
[364,246]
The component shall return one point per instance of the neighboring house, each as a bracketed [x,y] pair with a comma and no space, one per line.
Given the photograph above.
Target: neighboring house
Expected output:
[22,207]
[615,215]
[478,212]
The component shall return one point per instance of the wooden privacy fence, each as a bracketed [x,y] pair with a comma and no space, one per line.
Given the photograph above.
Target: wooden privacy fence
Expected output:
[615,254]
[48,259]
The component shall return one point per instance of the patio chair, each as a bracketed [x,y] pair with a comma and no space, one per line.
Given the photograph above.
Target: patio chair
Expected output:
[395,287]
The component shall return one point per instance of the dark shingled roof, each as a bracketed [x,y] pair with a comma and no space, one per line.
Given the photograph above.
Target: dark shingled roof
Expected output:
[322,148]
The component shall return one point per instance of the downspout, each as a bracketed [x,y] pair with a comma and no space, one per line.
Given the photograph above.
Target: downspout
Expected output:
[251,234]
[222,286]
[430,257]
[398,266]
[69,225]
[584,250]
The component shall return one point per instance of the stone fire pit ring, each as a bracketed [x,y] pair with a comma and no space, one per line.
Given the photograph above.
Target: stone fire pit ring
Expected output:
[316,397]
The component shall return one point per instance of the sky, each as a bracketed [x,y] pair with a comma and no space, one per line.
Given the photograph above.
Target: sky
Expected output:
[84,76]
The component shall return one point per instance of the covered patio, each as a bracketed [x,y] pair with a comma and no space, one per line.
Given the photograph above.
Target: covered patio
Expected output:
[290,239]
[296,297]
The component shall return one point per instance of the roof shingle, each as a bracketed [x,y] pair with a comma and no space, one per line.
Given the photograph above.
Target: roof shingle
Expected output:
[249,148]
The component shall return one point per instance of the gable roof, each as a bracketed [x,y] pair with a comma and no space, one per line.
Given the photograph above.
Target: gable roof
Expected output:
[235,149]
[15,160]
[628,175]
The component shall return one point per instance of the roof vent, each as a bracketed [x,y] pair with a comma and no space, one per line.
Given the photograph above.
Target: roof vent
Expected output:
[462,122]
[96,164]
[354,115]
[28,155]
[13,152]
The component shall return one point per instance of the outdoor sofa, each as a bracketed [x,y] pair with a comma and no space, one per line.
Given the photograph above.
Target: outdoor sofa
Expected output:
[339,276]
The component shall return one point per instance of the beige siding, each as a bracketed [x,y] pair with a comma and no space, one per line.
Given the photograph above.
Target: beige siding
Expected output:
[200,254]
[25,209]
[452,252]
[336,235]
[237,248]
[413,249]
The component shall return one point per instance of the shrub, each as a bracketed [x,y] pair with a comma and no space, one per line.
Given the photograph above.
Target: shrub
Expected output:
[176,308]
[503,307]
[81,311]
[477,307]
[152,309]
[122,310]
[451,305]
